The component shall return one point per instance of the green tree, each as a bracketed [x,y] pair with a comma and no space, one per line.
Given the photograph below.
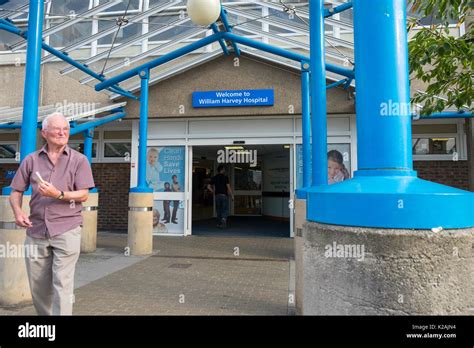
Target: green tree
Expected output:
[441,60]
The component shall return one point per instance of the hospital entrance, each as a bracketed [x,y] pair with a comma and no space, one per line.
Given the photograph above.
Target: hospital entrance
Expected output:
[259,176]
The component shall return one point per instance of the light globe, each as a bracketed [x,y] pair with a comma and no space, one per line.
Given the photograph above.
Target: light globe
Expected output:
[204,12]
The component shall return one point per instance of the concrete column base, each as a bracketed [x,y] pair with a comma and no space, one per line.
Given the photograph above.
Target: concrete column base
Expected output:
[300,219]
[140,224]
[366,271]
[14,285]
[89,228]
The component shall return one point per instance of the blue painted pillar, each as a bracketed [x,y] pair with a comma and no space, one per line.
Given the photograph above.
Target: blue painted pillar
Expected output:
[385,191]
[32,83]
[32,78]
[143,134]
[88,138]
[383,89]
[306,124]
[88,144]
[318,94]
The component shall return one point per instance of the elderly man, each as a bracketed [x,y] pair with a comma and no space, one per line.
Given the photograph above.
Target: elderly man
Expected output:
[55,222]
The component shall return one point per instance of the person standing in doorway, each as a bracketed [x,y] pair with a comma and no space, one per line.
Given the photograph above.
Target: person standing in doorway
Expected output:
[60,178]
[220,187]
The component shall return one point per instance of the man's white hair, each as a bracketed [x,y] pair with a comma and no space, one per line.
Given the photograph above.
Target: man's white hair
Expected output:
[45,122]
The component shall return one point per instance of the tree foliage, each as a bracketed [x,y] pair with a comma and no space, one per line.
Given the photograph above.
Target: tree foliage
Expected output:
[440,59]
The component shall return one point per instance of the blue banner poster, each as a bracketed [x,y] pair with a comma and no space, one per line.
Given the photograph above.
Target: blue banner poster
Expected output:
[165,168]
[168,217]
[339,164]
[165,174]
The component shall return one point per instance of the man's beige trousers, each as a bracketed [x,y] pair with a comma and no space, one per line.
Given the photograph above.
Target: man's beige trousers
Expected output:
[51,273]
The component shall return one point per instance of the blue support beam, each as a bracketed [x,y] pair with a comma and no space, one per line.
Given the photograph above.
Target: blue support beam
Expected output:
[117,114]
[159,61]
[215,29]
[83,68]
[318,94]
[10,126]
[306,129]
[445,115]
[337,9]
[96,123]
[10,27]
[142,186]
[337,83]
[208,40]
[88,143]
[32,78]
[385,191]
[228,28]
[286,54]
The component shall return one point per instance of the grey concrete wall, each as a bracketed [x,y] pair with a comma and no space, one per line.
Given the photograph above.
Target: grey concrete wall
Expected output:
[221,74]
[55,88]
[403,272]
[12,79]
[58,88]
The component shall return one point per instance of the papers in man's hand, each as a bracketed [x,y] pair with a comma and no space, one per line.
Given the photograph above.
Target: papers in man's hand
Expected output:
[40,179]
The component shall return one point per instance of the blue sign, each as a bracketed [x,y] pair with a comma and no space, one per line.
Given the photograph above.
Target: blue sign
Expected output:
[214,99]
[10,174]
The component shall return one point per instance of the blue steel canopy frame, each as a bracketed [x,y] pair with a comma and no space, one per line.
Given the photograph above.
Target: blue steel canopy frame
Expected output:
[386,192]
[385,181]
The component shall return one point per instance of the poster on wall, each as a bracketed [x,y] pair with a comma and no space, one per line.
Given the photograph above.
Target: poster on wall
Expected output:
[165,168]
[339,163]
[168,217]
[165,174]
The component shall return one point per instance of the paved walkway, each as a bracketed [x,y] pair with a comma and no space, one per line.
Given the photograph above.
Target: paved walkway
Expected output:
[194,275]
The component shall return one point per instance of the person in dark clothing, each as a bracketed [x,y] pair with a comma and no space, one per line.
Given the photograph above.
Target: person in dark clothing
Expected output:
[220,187]
[166,205]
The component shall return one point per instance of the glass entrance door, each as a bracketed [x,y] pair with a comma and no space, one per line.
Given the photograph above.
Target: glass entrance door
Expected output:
[247,189]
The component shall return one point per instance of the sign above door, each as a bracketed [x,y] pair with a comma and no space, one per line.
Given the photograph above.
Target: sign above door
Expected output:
[236,98]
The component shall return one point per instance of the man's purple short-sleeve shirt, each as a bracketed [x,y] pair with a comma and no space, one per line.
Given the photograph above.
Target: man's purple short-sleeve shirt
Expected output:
[49,216]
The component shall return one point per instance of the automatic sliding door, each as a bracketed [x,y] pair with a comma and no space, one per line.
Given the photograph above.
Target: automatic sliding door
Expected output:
[247,189]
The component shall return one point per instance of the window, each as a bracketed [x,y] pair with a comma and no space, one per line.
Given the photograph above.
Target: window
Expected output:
[117,145]
[117,149]
[438,141]
[8,151]
[79,146]
[434,146]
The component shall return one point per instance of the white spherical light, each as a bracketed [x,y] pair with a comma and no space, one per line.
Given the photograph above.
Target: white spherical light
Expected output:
[204,12]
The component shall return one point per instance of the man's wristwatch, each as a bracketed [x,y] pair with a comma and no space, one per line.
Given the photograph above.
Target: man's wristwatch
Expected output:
[61,196]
